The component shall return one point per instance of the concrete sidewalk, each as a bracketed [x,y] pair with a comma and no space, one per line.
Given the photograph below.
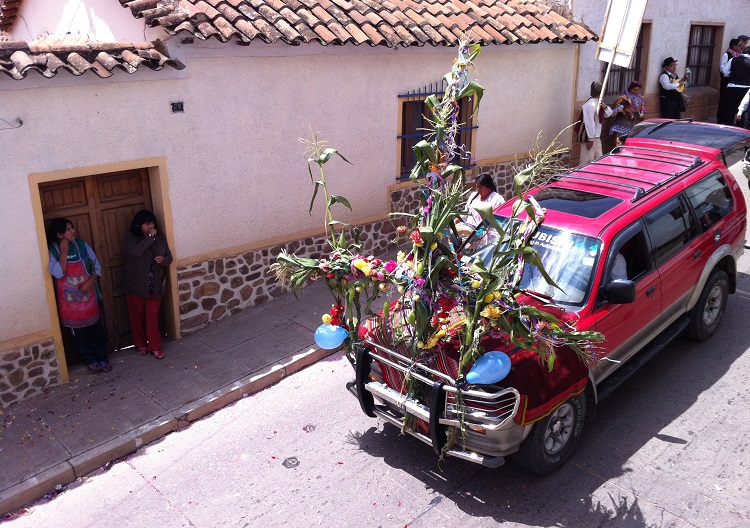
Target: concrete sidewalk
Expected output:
[72,429]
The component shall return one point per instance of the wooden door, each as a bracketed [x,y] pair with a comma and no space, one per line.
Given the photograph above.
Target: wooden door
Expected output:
[101,208]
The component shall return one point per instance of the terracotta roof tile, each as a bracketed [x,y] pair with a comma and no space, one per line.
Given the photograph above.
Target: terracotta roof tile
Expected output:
[376,39]
[78,55]
[374,22]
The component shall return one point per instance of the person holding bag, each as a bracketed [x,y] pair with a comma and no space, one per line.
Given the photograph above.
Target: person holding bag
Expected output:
[75,268]
[147,259]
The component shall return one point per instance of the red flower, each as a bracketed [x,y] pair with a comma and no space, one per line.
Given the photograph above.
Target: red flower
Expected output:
[335,321]
[416,237]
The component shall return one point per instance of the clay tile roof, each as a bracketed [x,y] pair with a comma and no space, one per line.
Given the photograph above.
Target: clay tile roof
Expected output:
[375,22]
[78,55]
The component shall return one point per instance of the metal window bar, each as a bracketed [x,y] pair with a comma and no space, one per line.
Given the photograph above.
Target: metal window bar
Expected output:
[414,118]
[700,54]
[620,77]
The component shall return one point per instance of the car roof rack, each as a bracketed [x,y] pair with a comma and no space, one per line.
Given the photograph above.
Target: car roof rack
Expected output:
[683,163]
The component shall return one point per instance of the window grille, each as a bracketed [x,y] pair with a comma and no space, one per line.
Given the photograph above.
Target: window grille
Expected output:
[620,78]
[701,54]
[414,122]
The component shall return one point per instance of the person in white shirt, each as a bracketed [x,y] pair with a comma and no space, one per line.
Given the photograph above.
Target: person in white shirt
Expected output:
[593,114]
[670,98]
[739,80]
[724,112]
[742,111]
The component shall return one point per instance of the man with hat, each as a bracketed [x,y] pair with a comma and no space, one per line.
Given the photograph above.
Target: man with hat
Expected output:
[670,99]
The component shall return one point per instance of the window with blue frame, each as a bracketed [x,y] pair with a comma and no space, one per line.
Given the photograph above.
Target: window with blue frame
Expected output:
[414,122]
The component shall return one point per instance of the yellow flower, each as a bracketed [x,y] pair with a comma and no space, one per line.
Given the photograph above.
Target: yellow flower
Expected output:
[488,298]
[326,318]
[359,263]
[476,284]
[366,269]
[400,257]
[491,312]
[433,246]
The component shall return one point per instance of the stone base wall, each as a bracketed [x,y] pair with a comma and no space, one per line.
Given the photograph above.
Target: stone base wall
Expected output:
[27,371]
[214,289]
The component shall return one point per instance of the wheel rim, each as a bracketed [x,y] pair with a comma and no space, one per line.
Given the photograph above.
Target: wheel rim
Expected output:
[559,428]
[714,303]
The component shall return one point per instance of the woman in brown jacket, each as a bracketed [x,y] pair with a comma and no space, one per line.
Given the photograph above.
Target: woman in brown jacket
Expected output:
[147,259]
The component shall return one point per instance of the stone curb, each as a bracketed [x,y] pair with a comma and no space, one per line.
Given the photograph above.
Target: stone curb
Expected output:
[45,482]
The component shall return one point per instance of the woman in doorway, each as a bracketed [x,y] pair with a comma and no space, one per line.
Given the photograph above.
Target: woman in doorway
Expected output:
[147,259]
[75,268]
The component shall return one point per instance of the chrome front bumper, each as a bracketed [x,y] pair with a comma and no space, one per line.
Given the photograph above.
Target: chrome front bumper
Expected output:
[491,432]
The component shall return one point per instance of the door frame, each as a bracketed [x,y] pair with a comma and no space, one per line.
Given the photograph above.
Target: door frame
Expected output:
[159,182]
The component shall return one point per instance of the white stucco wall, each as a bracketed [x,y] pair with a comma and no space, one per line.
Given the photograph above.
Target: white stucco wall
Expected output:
[236,171]
[670,33]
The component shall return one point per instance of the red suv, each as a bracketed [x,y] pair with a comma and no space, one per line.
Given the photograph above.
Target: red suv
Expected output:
[643,243]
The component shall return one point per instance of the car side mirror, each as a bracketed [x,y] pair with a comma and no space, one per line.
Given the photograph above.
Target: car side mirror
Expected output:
[620,291]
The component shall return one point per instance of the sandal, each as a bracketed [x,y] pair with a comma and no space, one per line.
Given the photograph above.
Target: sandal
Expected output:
[142,351]
[159,354]
[94,367]
[105,366]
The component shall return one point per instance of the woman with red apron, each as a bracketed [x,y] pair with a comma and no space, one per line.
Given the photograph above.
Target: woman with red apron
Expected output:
[75,268]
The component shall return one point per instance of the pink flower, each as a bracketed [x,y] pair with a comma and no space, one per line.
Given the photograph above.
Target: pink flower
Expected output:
[390,266]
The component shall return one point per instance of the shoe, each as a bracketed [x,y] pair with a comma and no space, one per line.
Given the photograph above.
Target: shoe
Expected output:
[104,366]
[142,351]
[94,367]
[159,354]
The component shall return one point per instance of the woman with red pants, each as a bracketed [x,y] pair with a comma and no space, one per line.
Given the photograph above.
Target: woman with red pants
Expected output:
[147,259]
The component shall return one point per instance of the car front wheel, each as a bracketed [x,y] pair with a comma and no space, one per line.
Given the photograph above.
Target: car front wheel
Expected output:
[708,311]
[553,439]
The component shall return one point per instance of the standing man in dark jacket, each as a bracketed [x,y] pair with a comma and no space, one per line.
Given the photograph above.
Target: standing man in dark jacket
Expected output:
[739,81]
[725,113]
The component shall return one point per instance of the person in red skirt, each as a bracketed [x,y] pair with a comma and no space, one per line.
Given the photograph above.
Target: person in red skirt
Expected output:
[147,260]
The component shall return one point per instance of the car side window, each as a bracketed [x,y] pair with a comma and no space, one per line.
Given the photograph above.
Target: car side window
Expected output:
[711,199]
[670,227]
[628,258]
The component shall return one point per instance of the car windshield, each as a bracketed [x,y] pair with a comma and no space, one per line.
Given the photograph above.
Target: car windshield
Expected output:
[569,259]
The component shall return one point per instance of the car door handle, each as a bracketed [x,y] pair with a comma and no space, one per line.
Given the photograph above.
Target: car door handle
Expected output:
[717,236]
[697,254]
[650,291]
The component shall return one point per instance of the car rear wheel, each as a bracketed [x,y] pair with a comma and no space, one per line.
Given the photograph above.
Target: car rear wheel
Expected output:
[708,311]
[554,438]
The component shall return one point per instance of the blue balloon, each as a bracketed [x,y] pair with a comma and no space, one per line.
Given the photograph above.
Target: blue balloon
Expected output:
[490,368]
[330,336]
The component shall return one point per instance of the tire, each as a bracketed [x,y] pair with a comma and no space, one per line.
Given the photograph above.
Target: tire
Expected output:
[553,439]
[708,311]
